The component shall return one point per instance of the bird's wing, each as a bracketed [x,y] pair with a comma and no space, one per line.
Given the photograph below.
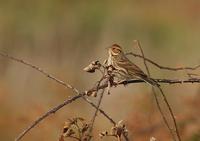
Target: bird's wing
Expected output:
[131,68]
[135,72]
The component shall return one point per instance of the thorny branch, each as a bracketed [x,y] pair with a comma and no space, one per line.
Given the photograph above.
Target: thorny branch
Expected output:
[102,86]
[50,112]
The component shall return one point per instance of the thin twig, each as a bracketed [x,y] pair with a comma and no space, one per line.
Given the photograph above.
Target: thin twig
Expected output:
[59,82]
[164,67]
[52,78]
[55,109]
[171,113]
[166,81]
[52,111]
[165,100]
[98,104]
[47,75]
[154,92]
[169,81]
[162,114]
[101,111]
[93,105]
[143,57]
[40,70]
[96,111]
[101,87]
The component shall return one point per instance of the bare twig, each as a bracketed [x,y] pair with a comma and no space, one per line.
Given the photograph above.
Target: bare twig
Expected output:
[40,70]
[171,113]
[169,81]
[162,114]
[137,43]
[53,78]
[102,86]
[93,105]
[164,67]
[59,82]
[101,111]
[166,81]
[52,111]
[106,77]
[154,92]
[55,109]
[96,111]
[165,99]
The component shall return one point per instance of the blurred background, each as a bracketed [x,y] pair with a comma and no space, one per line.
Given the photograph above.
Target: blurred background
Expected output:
[64,36]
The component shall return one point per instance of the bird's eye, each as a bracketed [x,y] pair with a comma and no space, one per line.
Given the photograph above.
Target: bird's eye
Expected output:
[116,51]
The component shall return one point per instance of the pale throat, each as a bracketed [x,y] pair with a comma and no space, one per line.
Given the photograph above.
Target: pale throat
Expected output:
[110,59]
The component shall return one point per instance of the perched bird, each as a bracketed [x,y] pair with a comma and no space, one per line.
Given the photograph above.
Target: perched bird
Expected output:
[123,68]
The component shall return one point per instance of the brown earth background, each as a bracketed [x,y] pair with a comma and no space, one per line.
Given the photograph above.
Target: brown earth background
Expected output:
[64,36]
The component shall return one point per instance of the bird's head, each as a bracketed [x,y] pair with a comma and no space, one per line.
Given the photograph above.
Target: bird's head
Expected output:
[115,49]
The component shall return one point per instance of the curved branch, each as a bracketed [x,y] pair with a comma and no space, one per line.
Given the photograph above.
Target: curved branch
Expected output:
[163,67]
[52,111]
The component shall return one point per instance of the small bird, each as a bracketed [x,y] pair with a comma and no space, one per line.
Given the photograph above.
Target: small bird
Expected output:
[123,68]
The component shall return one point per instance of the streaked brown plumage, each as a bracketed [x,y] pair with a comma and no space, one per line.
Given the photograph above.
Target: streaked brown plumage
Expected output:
[124,68]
